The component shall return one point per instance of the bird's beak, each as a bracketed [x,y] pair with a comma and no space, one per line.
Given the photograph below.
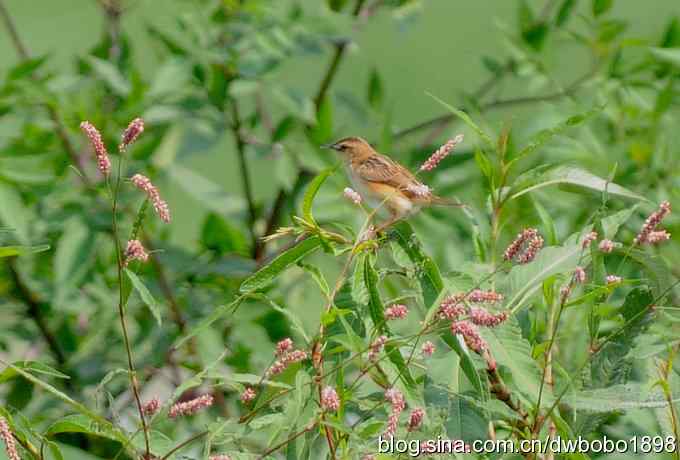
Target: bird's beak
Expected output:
[329,146]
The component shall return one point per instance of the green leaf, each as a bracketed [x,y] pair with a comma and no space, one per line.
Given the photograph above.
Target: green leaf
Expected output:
[310,194]
[618,398]
[668,55]
[548,223]
[601,6]
[565,12]
[79,423]
[297,105]
[218,313]
[26,68]
[336,5]
[541,177]
[375,90]
[110,74]
[14,213]
[30,366]
[266,275]
[146,296]
[467,120]
[73,258]
[525,280]
[170,79]
[432,287]
[205,191]
[546,135]
[9,251]
[359,288]
[219,235]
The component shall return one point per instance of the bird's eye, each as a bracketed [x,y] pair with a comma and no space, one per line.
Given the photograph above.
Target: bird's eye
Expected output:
[343,147]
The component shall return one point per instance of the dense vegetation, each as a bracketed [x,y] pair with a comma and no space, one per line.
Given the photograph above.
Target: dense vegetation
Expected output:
[545,306]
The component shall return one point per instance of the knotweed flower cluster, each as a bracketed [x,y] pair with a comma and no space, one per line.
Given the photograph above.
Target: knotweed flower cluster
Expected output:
[330,402]
[452,307]
[441,153]
[419,189]
[396,311]
[525,246]
[428,349]
[131,133]
[95,137]
[151,407]
[480,296]
[482,317]
[352,195]
[648,233]
[606,246]
[161,207]
[286,356]
[376,347]
[613,279]
[588,239]
[135,251]
[219,457]
[248,395]
[396,399]
[470,334]
[8,439]
[190,407]
[415,420]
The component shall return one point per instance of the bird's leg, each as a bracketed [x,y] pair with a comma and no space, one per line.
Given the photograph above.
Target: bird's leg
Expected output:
[395,217]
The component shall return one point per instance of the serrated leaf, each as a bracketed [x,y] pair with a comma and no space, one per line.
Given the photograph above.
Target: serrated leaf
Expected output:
[266,275]
[145,295]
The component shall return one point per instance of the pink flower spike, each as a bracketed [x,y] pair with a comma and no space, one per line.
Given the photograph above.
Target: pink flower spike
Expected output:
[524,247]
[376,347]
[441,153]
[606,246]
[396,399]
[8,439]
[329,400]
[415,420]
[482,317]
[613,279]
[471,335]
[396,311]
[151,407]
[248,395]
[351,195]
[135,251]
[579,275]
[658,237]
[529,254]
[452,307]
[283,346]
[588,240]
[652,222]
[131,133]
[219,457]
[161,207]
[428,349]
[103,162]
[190,407]
[479,296]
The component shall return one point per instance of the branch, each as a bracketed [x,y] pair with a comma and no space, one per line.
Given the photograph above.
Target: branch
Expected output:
[24,294]
[184,444]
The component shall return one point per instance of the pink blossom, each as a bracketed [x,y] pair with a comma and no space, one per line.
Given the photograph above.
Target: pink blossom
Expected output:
[151,407]
[441,153]
[248,395]
[482,317]
[579,275]
[613,279]
[396,399]
[606,246]
[103,162]
[376,347]
[396,311]
[565,291]
[471,335]
[351,195]
[658,236]
[135,251]
[415,420]
[652,222]
[588,240]
[428,349]
[131,133]
[161,207]
[283,346]
[8,439]
[190,407]
[220,457]
[479,296]
[419,189]
[329,399]
[452,307]
[368,457]
[285,360]
[524,247]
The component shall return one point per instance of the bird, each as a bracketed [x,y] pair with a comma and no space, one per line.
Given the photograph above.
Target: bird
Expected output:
[382,181]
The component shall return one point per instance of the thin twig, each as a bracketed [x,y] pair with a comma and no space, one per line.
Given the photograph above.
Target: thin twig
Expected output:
[286,442]
[183,444]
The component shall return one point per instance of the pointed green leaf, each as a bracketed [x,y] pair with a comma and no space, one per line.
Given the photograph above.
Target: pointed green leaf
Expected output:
[145,295]
[310,194]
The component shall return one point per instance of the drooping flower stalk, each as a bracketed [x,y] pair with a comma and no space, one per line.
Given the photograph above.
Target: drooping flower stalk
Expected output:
[95,137]
[441,153]
[190,407]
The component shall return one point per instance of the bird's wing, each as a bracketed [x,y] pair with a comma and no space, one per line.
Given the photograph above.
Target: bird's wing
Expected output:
[383,170]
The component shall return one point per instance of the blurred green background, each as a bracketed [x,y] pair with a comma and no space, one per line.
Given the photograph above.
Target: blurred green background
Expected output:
[437,48]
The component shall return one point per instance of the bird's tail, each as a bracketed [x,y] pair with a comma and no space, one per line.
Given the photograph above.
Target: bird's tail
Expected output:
[440,201]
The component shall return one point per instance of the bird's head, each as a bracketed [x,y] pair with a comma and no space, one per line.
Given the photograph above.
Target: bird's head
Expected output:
[352,148]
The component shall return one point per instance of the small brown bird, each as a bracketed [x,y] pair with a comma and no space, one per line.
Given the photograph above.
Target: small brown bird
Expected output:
[383,182]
